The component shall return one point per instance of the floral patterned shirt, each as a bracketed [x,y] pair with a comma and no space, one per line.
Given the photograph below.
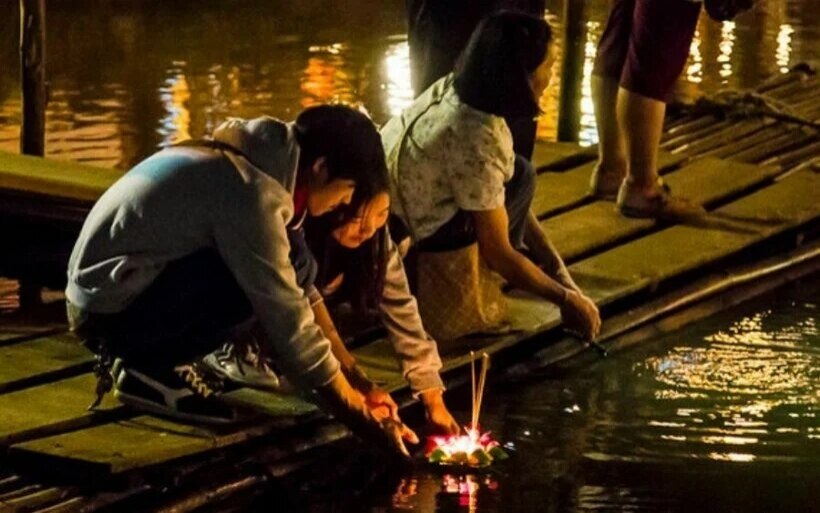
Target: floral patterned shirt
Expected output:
[444,156]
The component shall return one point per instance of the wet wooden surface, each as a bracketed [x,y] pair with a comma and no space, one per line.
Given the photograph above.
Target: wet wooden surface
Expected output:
[757,178]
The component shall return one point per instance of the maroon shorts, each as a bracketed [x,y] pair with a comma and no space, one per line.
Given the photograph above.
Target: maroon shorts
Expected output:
[645,44]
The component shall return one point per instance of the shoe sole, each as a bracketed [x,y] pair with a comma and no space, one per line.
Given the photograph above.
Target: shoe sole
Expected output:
[228,378]
[152,407]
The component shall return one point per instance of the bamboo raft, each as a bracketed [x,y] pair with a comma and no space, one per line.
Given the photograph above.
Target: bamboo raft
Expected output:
[758,177]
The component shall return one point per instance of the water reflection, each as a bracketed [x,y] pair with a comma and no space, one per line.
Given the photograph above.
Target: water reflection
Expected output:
[174,95]
[694,67]
[397,70]
[147,76]
[431,492]
[727,44]
[721,416]
[783,52]
[589,133]
[327,77]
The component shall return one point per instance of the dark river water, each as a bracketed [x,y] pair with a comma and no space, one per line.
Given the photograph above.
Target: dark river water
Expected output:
[129,76]
[722,416]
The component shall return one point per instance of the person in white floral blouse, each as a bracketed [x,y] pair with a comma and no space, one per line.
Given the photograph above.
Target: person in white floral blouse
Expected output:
[451,163]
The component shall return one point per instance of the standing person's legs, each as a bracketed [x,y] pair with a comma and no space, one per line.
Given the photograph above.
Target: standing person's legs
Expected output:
[662,32]
[606,76]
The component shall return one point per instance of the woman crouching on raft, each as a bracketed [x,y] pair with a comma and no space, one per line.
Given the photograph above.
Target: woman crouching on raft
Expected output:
[349,256]
[456,180]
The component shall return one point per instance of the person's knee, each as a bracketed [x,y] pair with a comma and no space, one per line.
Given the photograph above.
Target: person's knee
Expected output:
[522,184]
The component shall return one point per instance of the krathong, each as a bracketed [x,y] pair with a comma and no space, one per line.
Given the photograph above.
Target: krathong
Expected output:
[473,448]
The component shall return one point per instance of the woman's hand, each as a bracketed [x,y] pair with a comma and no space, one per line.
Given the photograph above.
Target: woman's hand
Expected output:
[351,408]
[438,415]
[580,315]
[381,403]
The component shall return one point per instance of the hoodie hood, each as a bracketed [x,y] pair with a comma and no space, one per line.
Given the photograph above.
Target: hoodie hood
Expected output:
[268,143]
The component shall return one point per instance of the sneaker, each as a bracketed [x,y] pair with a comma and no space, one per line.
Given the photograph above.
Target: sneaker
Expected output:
[242,365]
[605,186]
[661,205]
[186,394]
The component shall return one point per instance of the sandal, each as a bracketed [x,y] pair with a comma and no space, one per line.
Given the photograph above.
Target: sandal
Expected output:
[661,205]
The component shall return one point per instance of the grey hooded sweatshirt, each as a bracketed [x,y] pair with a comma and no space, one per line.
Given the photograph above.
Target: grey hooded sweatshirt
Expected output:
[188,198]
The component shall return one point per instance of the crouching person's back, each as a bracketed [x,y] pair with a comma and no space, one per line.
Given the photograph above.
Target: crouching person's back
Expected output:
[192,243]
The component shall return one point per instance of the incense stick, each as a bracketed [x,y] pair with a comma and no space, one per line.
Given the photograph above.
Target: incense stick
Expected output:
[482,381]
[472,389]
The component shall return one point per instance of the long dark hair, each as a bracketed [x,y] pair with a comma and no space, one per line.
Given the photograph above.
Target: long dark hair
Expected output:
[348,140]
[493,72]
[364,267]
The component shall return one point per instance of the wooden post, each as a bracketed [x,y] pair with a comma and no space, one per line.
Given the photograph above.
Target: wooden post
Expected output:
[33,75]
[572,71]
[33,129]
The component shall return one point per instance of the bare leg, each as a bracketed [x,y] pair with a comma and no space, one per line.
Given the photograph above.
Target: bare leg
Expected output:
[612,158]
[641,121]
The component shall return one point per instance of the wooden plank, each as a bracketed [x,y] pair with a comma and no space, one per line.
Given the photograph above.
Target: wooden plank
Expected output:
[598,225]
[145,441]
[118,446]
[560,155]
[53,354]
[13,332]
[41,357]
[48,409]
[271,404]
[23,174]
[378,359]
[646,262]
[559,191]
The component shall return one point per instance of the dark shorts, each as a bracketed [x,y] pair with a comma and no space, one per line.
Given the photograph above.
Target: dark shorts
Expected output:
[645,44]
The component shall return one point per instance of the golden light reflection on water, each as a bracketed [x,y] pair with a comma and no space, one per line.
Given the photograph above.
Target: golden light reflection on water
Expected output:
[327,76]
[398,88]
[694,69]
[174,95]
[589,134]
[740,388]
[425,493]
[732,456]
[726,46]
[782,53]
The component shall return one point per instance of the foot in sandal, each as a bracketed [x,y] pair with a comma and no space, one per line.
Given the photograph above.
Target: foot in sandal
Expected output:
[656,203]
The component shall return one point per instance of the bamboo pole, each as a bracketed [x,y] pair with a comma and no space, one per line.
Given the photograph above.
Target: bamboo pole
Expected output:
[33,89]
[33,76]
[572,71]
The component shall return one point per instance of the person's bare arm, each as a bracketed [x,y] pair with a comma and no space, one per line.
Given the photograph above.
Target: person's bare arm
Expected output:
[546,254]
[492,231]
[374,396]
[578,312]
